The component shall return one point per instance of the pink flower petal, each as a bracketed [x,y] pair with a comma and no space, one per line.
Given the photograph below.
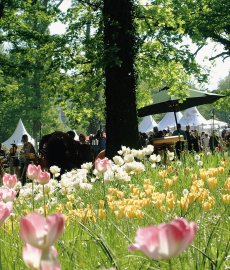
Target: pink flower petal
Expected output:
[31,256]
[56,225]
[165,241]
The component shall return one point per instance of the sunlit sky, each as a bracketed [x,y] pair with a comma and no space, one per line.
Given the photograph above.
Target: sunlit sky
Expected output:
[218,72]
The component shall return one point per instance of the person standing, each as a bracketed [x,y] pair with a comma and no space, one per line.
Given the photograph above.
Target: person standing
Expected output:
[206,142]
[213,141]
[98,143]
[25,158]
[179,144]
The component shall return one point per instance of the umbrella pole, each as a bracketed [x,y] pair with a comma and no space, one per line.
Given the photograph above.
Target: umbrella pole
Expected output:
[177,129]
[176,120]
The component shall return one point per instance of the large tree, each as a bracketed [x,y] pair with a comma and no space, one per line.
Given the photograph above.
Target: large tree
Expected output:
[120,46]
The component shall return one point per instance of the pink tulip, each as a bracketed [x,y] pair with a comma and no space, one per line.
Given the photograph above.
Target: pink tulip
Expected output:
[5,211]
[35,258]
[41,232]
[9,180]
[43,178]
[8,194]
[165,241]
[102,165]
[33,171]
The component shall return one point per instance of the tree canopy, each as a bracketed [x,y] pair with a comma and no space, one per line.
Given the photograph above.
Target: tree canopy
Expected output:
[73,68]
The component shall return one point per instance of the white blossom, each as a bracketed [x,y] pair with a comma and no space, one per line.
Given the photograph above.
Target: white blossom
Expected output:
[128,158]
[118,160]
[86,186]
[54,169]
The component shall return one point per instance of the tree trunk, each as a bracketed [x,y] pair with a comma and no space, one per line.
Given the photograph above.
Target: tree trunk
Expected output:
[120,52]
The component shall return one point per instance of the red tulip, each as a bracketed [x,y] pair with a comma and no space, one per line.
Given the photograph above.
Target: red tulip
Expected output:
[102,165]
[5,211]
[41,232]
[43,178]
[9,180]
[33,171]
[165,241]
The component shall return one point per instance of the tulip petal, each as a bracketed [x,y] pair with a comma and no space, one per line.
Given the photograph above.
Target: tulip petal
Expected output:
[32,229]
[31,256]
[49,261]
[56,227]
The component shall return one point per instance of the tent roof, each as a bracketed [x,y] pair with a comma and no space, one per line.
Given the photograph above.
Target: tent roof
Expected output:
[76,136]
[169,120]
[17,135]
[217,123]
[147,124]
[193,118]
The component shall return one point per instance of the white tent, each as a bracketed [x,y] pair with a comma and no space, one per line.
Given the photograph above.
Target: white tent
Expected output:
[147,124]
[169,120]
[76,136]
[17,136]
[217,123]
[193,118]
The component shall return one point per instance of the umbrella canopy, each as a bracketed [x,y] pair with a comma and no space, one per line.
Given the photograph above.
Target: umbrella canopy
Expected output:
[169,120]
[166,103]
[147,124]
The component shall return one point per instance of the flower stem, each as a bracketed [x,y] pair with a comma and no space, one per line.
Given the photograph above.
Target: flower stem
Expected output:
[44,200]
[170,265]
[33,194]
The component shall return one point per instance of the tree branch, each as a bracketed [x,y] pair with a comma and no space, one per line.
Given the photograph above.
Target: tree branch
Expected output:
[219,55]
[199,48]
[61,1]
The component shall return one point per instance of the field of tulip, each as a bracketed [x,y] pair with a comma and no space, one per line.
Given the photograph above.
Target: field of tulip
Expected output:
[133,212]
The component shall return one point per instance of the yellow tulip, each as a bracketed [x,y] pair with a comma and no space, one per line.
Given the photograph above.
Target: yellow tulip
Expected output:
[101,204]
[221,170]
[194,176]
[70,197]
[101,213]
[192,197]
[69,205]
[226,198]
[162,174]
[147,182]
[170,203]
[183,204]
[206,206]
[168,183]
[212,182]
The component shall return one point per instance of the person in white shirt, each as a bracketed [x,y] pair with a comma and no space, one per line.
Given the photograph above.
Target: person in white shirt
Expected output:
[206,142]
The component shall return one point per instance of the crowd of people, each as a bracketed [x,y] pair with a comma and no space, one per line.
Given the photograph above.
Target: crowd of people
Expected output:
[62,150]
[195,141]
[58,148]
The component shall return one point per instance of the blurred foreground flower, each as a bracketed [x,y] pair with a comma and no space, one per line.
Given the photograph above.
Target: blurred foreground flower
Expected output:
[166,240]
[5,211]
[37,259]
[39,235]
[42,232]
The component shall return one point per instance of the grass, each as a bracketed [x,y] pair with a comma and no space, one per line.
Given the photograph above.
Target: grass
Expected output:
[91,242]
